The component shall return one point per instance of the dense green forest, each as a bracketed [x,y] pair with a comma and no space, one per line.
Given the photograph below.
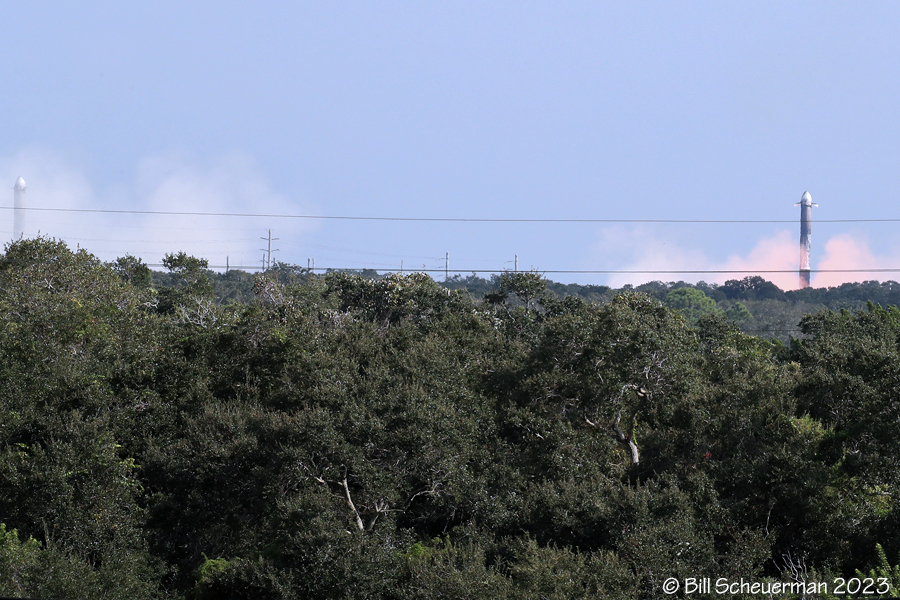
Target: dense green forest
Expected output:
[197,435]
[756,306]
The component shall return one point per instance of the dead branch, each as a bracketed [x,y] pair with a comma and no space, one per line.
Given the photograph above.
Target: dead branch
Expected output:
[359,521]
[627,440]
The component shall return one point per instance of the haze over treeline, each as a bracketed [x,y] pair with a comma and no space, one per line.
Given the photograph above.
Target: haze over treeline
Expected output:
[174,202]
[343,436]
[711,120]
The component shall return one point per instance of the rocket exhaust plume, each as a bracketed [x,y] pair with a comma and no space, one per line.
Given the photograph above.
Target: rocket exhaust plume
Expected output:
[805,205]
[18,205]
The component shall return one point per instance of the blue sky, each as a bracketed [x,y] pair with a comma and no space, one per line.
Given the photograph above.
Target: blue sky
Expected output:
[563,110]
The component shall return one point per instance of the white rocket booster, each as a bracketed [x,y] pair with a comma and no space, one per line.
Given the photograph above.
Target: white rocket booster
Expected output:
[18,206]
[805,205]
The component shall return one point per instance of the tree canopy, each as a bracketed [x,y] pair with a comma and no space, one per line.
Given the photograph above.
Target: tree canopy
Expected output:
[357,437]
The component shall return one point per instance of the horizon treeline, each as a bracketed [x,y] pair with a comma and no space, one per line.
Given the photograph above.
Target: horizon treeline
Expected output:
[755,305]
[344,436]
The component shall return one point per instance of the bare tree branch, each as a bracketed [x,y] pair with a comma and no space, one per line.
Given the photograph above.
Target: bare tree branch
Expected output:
[359,521]
[627,440]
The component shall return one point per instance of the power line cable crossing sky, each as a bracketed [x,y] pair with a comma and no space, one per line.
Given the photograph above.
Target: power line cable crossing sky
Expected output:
[216,244]
[439,219]
[601,143]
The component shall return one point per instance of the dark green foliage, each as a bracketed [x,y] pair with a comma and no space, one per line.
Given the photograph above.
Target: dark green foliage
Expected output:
[751,288]
[850,295]
[31,569]
[291,436]
[528,288]
[66,360]
[738,313]
[692,303]
[852,362]
[758,307]
[233,287]
[883,569]
[133,270]
[190,296]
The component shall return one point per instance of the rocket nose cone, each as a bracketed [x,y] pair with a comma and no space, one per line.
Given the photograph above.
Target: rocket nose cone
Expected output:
[806,197]
[20,184]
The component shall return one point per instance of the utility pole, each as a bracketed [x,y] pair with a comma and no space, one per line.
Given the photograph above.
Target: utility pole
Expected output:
[516,264]
[447,266]
[226,264]
[267,258]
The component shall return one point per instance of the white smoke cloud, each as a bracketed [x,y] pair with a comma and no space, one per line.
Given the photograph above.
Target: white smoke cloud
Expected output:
[780,252]
[852,252]
[49,182]
[640,248]
[172,183]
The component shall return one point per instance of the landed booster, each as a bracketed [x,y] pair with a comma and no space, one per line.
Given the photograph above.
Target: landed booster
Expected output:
[18,205]
[805,205]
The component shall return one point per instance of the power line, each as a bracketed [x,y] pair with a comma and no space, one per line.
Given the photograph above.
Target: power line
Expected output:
[597,272]
[179,241]
[441,219]
[366,252]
